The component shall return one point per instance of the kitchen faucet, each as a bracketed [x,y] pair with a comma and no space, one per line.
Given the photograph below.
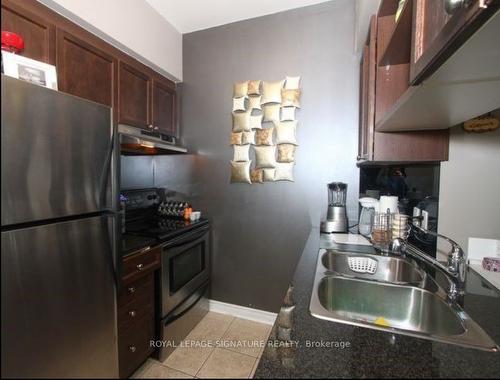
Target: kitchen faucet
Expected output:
[455,267]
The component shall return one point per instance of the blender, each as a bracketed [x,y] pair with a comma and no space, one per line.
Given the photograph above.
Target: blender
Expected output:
[336,217]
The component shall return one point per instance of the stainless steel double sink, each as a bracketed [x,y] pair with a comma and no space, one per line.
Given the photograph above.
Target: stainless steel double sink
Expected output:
[391,294]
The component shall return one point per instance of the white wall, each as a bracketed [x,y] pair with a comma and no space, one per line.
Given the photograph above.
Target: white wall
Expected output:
[364,10]
[132,26]
[469,199]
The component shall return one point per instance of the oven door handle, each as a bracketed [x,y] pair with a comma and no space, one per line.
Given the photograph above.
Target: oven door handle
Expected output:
[187,305]
[187,238]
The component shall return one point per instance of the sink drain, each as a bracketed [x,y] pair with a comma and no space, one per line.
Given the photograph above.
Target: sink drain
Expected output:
[362,264]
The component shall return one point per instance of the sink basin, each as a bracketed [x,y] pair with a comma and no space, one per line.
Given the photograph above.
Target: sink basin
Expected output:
[404,299]
[372,267]
[402,307]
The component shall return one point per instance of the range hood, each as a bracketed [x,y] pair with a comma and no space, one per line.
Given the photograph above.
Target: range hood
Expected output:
[136,141]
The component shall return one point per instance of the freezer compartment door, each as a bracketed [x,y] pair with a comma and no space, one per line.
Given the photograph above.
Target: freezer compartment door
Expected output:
[56,154]
[58,300]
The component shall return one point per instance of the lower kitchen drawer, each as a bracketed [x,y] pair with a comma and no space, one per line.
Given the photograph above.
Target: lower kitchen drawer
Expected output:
[127,316]
[135,305]
[137,290]
[140,263]
[134,345]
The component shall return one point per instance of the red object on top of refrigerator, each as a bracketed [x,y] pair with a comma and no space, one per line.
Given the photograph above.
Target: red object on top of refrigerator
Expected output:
[12,42]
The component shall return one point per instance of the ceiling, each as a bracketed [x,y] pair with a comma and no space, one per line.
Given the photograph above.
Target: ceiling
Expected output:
[191,15]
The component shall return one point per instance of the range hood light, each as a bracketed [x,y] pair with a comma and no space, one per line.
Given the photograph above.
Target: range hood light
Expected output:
[146,144]
[136,141]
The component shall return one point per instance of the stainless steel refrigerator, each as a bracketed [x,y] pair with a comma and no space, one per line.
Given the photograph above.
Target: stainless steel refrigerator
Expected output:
[58,235]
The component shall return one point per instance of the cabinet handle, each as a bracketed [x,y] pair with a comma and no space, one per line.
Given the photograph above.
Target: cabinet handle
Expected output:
[132,313]
[132,348]
[131,290]
[140,266]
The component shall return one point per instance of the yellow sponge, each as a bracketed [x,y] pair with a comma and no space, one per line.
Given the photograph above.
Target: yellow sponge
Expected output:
[381,322]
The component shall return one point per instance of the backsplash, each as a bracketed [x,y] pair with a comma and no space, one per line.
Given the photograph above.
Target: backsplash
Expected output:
[416,185]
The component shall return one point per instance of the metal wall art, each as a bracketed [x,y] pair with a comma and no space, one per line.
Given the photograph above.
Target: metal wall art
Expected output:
[264,135]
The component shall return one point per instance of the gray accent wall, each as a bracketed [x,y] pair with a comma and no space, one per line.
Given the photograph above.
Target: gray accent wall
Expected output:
[469,188]
[259,231]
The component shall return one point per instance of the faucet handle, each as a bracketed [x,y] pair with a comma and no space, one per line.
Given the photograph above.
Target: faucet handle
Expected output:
[457,262]
[397,246]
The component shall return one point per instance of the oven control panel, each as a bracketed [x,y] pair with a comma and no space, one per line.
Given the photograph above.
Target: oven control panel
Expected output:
[141,199]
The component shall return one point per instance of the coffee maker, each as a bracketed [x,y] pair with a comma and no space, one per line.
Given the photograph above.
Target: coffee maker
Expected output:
[336,217]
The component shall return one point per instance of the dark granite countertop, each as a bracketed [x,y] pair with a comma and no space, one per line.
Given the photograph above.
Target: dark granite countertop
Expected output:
[371,353]
[132,243]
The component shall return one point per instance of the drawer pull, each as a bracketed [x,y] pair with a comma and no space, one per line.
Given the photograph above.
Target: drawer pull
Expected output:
[132,313]
[148,248]
[132,348]
[131,290]
[140,266]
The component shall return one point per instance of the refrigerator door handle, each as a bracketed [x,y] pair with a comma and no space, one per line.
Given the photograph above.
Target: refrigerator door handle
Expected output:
[105,174]
[112,242]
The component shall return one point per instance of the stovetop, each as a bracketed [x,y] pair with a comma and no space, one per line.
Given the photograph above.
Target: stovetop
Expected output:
[144,222]
[162,228]
[133,243]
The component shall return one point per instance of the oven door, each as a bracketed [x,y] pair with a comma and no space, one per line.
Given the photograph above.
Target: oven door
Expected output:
[185,267]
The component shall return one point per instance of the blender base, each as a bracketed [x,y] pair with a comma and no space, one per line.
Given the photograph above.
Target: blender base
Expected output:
[333,226]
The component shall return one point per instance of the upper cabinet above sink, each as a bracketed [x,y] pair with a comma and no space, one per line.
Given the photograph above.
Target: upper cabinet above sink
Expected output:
[380,87]
[438,65]
[427,71]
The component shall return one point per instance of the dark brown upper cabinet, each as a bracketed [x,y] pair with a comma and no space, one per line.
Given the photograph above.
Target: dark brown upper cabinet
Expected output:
[367,94]
[431,59]
[377,91]
[89,67]
[134,97]
[37,32]
[164,108]
[438,30]
[84,70]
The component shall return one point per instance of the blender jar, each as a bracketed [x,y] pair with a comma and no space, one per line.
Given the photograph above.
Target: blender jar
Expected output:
[337,193]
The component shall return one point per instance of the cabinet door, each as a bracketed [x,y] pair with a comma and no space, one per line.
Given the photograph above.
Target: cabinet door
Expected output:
[164,108]
[38,33]
[385,147]
[363,96]
[367,95]
[134,91]
[438,32]
[84,70]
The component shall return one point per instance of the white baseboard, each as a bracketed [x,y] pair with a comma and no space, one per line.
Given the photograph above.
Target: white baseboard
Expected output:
[242,312]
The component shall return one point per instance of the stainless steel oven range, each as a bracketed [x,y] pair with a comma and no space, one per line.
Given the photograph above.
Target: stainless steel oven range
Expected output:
[185,271]
[185,277]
